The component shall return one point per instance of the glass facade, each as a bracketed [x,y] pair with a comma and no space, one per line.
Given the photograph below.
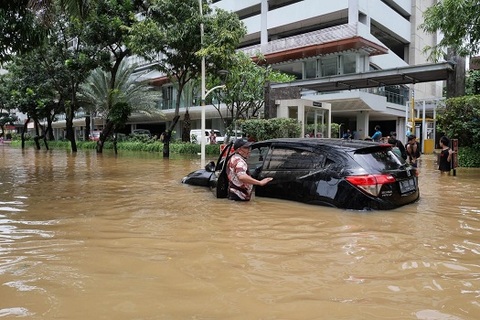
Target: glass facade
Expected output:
[329,66]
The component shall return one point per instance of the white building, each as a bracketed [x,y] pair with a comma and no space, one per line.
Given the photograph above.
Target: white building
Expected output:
[314,39]
[319,40]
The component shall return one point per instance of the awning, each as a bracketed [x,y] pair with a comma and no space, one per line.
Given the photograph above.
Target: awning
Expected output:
[378,78]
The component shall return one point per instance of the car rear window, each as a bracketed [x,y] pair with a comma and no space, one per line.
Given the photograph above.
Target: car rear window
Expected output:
[378,159]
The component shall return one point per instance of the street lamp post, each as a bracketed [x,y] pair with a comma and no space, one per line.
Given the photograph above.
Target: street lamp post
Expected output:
[204,96]
[205,93]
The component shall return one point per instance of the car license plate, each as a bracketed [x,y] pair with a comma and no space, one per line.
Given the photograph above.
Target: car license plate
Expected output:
[407,185]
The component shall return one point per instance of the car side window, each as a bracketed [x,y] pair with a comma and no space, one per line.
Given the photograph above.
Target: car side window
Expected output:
[256,158]
[294,159]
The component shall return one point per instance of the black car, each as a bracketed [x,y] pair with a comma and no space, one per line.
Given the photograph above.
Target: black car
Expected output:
[350,174]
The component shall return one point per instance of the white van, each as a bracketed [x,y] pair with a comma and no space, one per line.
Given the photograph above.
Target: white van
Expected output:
[195,136]
[234,135]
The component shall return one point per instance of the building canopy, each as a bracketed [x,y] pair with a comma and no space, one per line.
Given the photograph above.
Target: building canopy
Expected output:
[377,78]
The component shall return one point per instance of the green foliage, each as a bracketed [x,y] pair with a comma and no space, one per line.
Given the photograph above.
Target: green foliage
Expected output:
[20,29]
[6,118]
[262,129]
[460,119]
[116,98]
[150,146]
[472,85]
[171,27]
[245,85]
[133,137]
[335,130]
[469,157]
[458,22]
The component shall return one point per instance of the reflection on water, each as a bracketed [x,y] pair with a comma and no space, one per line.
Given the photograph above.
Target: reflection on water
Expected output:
[87,236]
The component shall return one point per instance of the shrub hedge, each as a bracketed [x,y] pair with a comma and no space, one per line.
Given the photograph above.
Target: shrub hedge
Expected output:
[155,146]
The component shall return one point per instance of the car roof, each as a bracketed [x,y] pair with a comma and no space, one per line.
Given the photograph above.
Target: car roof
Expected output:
[352,145]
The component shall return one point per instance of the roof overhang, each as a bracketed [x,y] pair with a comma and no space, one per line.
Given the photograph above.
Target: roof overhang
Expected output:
[350,44]
[378,78]
[334,39]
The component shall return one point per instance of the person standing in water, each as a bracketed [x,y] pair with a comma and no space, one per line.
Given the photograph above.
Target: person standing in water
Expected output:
[240,183]
[445,156]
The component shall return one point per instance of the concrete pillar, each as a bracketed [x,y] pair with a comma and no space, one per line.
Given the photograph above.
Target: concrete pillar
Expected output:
[301,116]
[363,117]
[264,25]
[353,12]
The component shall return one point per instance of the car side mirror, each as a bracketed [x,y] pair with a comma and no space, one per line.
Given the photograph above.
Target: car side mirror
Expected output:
[210,167]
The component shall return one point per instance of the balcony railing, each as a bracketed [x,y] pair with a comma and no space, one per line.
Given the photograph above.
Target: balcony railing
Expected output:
[395,95]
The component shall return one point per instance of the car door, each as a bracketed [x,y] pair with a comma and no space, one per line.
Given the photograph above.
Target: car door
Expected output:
[287,164]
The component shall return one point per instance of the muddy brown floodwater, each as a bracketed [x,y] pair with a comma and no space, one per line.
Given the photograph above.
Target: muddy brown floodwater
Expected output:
[87,236]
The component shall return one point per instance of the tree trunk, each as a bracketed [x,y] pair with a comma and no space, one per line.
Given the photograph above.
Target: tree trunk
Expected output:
[87,128]
[37,134]
[25,127]
[186,127]
[49,132]
[167,136]
[456,79]
[104,135]
[69,128]
[115,134]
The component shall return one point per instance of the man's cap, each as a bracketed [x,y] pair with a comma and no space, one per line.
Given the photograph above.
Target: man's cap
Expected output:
[411,137]
[393,133]
[241,143]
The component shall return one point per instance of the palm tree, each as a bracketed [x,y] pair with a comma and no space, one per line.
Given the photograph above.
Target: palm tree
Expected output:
[129,95]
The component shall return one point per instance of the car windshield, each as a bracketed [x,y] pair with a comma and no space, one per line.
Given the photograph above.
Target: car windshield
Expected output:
[379,160]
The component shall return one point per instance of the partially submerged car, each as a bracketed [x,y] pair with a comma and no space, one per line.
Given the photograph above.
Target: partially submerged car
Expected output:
[349,174]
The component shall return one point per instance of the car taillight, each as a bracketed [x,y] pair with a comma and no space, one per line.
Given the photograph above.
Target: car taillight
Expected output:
[371,183]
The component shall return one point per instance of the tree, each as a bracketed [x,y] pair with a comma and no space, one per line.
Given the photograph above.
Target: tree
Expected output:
[20,29]
[264,129]
[45,8]
[244,88]
[28,88]
[116,104]
[69,59]
[460,119]
[473,82]
[106,28]
[25,24]
[6,118]
[6,115]
[459,22]
[170,35]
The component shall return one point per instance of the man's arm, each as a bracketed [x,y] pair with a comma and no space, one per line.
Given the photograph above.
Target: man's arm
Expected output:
[245,178]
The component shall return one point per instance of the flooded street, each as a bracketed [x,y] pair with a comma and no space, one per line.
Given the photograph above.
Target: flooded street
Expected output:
[90,236]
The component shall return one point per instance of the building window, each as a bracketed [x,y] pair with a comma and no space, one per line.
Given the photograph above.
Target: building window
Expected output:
[168,101]
[349,64]
[329,66]
[310,69]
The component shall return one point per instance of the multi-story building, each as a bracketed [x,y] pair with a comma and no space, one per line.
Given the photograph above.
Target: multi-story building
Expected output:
[316,40]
